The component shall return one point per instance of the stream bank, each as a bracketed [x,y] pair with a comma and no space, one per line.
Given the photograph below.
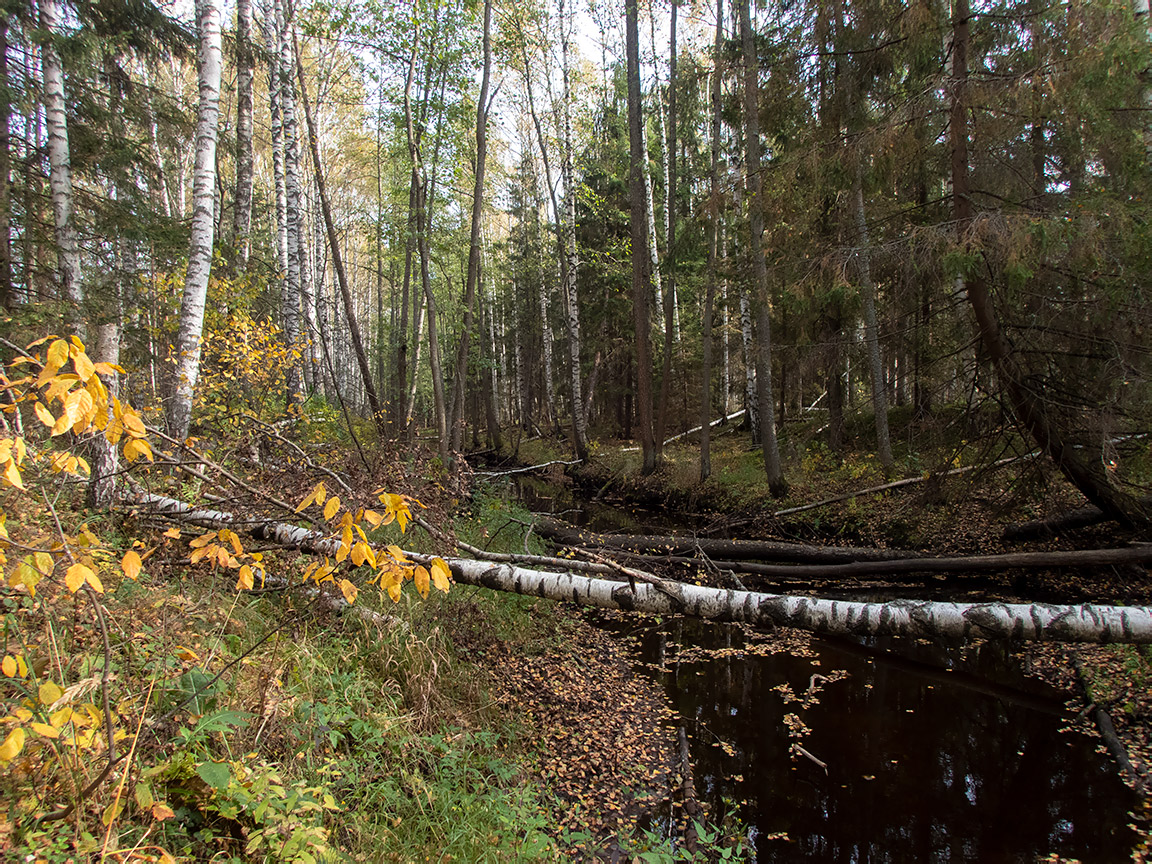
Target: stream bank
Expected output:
[975,752]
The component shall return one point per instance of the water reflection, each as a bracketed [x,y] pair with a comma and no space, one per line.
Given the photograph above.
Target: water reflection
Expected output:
[923,764]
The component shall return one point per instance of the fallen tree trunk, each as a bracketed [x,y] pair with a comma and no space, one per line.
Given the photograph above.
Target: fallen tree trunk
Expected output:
[1042,529]
[745,550]
[1087,623]
[899,484]
[969,564]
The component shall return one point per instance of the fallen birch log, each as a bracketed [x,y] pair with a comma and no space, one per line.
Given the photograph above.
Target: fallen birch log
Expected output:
[968,564]
[1041,621]
[527,468]
[711,425]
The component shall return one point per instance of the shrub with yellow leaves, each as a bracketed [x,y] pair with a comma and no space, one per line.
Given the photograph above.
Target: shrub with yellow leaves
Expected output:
[391,567]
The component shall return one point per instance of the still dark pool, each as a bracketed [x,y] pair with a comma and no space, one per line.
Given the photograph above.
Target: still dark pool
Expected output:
[933,753]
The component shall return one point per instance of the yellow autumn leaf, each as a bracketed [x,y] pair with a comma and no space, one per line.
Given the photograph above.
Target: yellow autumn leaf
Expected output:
[186,654]
[422,579]
[57,357]
[12,745]
[374,518]
[203,540]
[331,507]
[49,693]
[441,574]
[45,730]
[174,533]
[95,582]
[131,564]
[59,718]
[133,423]
[199,554]
[76,576]
[21,666]
[44,415]
[84,366]
[8,666]
[397,553]
[160,812]
[394,591]
[317,494]
[137,448]
[44,562]
[358,556]
[12,475]
[245,580]
[348,590]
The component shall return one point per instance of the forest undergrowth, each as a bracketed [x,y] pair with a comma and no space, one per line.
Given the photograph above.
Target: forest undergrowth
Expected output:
[171,693]
[176,694]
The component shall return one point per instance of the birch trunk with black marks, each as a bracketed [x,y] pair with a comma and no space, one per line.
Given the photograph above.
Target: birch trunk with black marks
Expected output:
[579,420]
[60,165]
[242,213]
[178,407]
[917,618]
[290,289]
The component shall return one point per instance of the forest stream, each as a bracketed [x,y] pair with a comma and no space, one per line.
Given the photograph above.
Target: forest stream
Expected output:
[871,750]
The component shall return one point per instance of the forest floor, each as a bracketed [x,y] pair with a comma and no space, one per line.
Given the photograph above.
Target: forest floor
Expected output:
[467,727]
[964,515]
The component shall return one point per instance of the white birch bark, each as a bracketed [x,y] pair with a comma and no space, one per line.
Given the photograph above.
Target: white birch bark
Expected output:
[579,421]
[1140,10]
[272,37]
[546,347]
[178,407]
[917,618]
[242,215]
[290,288]
[60,164]
[751,399]
[657,285]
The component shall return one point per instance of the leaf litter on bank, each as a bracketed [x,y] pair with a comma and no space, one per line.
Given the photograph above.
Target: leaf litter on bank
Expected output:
[605,743]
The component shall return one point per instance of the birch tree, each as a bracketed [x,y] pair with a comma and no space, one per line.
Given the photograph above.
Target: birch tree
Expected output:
[178,407]
[60,162]
[245,58]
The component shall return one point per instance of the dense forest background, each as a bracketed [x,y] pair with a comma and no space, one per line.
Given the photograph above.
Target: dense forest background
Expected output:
[598,222]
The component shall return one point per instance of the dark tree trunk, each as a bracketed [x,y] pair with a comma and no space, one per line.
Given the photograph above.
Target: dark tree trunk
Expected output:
[640,259]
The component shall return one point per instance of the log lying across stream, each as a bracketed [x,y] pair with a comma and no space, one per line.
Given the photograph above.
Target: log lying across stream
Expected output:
[738,550]
[1085,623]
[826,562]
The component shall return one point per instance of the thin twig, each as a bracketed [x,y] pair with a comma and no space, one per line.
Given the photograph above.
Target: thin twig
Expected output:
[271,430]
[283,505]
[105,678]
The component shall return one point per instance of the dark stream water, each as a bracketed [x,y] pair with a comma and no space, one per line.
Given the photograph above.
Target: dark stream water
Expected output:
[933,752]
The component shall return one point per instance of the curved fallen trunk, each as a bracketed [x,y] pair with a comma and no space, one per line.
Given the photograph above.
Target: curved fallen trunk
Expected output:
[743,550]
[1087,623]
[1043,529]
[900,568]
